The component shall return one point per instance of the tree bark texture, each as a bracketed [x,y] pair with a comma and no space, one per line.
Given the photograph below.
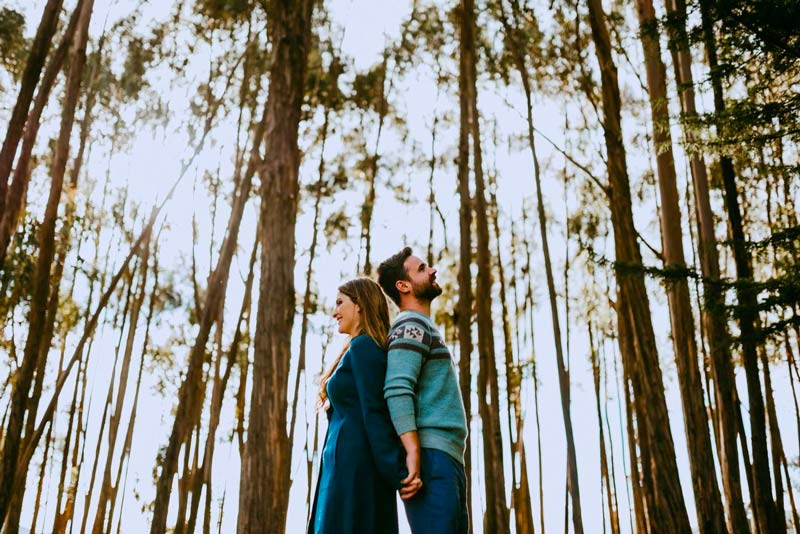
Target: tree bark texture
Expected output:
[746,314]
[666,507]
[264,483]
[708,502]
[41,285]
[712,316]
[30,78]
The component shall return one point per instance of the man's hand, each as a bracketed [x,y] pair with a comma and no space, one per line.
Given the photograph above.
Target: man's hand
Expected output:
[413,482]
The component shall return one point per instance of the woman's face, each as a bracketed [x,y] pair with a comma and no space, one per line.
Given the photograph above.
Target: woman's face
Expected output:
[346,314]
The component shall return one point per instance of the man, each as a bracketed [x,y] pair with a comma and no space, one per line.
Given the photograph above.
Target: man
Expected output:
[424,400]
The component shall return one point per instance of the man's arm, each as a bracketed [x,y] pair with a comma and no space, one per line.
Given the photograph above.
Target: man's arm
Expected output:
[409,343]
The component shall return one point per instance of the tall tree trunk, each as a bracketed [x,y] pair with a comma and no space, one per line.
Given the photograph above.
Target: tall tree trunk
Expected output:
[520,493]
[319,189]
[613,517]
[713,318]
[38,307]
[62,517]
[708,502]
[264,484]
[15,196]
[633,308]
[746,310]
[116,415]
[126,446]
[496,517]
[120,319]
[192,389]
[30,78]
[511,30]
[529,304]
[776,443]
[464,307]
[369,202]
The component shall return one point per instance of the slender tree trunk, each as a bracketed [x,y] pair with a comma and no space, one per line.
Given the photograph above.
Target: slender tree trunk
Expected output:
[713,318]
[120,319]
[15,196]
[264,484]
[764,506]
[529,304]
[776,442]
[369,202]
[613,518]
[126,447]
[319,189]
[38,309]
[633,309]
[563,372]
[55,281]
[708,502]
[192,388]
[520,493]
[636,481]
[116,415]
[30,78]
[464,307]
[496,517]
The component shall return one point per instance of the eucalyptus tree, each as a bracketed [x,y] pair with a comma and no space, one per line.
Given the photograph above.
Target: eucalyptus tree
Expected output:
[40,293]
[264,483]
[665,505]
[765,509]
[714,322]
[30,78]
[520,36]
[496,516]
[193,386]
[711,517]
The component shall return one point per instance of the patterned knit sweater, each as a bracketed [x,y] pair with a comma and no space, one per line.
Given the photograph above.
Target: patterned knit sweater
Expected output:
[421,386]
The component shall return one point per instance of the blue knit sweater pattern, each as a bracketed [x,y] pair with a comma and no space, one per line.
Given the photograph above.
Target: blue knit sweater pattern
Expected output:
[421,386]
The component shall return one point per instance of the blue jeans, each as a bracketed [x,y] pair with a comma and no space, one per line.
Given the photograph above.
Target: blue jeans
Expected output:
[440,507]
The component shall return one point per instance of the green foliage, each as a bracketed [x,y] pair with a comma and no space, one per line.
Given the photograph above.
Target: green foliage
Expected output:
[225,13]
[337,227]
[13,45]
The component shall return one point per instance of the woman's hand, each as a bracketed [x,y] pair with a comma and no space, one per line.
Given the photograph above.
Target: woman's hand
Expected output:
[413,482]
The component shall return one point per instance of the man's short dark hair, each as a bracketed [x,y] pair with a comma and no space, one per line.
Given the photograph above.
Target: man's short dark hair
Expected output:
[390,271]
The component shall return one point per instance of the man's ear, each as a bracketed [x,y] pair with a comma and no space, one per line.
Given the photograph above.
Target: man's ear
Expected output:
[403,286]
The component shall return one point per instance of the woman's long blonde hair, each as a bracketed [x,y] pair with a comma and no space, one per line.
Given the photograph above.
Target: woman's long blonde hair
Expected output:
[373,321]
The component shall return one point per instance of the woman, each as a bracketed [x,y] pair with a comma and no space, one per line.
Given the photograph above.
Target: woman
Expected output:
[362,464]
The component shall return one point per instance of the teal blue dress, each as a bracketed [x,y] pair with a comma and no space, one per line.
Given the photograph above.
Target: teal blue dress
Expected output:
[362,459]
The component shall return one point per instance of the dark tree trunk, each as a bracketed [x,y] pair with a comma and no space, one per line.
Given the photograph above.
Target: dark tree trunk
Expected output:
[668,509]
[264,484]
[41,285]
[15,196]
[613,517]
[710,514]
[30,78]
[764,507]
[713,320]
[496,517]
[464,308]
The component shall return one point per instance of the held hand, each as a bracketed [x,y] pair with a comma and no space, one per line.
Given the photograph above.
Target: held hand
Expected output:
[412,483]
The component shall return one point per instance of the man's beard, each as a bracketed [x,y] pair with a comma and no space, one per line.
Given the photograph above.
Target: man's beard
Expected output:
[426,291]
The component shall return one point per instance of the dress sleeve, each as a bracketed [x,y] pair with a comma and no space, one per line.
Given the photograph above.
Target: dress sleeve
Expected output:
[409,345]
[369,370]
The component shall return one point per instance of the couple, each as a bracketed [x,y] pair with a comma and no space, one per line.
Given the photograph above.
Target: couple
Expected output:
[396,417]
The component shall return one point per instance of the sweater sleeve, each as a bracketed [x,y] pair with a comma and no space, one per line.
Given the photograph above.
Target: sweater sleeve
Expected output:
[369,370]
[409,344]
